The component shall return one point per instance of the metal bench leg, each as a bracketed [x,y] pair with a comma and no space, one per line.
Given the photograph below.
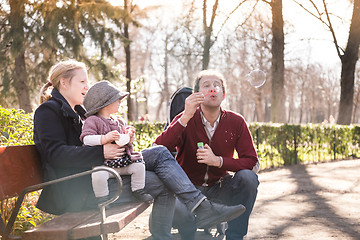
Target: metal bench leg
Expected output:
[104,235]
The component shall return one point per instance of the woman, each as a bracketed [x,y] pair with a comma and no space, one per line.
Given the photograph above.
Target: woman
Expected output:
[57,129]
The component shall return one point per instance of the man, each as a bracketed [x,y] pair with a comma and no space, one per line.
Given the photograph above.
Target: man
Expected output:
[222,132]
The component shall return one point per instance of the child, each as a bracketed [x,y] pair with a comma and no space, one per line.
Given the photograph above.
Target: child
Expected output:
[101,127]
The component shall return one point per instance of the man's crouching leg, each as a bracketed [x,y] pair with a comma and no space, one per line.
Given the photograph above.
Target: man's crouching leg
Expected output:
[242,189]
[184,221]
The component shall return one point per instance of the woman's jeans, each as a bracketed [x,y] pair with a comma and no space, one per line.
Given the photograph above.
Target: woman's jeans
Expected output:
[241,188]
[165,180]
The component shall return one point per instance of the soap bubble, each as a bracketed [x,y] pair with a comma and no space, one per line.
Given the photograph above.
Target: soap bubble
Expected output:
[256,78]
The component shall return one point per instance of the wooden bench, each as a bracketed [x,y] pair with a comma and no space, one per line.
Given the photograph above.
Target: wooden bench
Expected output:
[20,173]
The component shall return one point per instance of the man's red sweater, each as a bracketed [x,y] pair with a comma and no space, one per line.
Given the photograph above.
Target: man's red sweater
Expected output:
[231,134]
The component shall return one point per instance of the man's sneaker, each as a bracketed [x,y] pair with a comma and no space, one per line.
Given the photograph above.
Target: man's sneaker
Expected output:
[209,214]
[142,196]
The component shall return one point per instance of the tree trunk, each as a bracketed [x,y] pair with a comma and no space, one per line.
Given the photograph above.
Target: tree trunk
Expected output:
[258,103]
[277,67]
[166,91]
[356,104]
[206,53]
[348,61]
[208,31]
[165,95]
[17,12]
[267,117]
[21,85]
[158,110]
[130,113]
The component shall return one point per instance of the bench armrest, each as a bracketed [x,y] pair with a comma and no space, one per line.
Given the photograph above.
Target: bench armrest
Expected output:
[33,188]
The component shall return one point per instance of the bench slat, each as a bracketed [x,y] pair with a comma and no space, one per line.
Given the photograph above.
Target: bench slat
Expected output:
[20,167]
[86,224]
[59,227]
[116,219]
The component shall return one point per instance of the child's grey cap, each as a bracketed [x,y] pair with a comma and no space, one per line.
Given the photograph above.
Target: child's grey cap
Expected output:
[100,95]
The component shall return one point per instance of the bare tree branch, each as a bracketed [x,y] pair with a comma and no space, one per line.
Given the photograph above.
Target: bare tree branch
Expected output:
[204,14]
[210,28]
[247,18]
[332,30]
[327,24]
[213,14]
[311,13]
[227,18]
[187,23]
[316,8]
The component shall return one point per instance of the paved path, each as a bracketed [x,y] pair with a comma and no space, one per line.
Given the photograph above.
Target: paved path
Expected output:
[316,201]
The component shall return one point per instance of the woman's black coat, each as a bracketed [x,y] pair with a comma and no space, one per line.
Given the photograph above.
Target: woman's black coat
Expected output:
[57,130]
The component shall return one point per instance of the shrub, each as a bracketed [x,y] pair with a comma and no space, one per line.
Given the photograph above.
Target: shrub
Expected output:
[146,134]
[284,144]
[29,216]
[16,129]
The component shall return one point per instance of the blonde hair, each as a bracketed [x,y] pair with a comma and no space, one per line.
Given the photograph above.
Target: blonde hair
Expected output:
[64,69]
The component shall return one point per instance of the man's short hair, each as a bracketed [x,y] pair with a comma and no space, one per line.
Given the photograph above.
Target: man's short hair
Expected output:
[209,72]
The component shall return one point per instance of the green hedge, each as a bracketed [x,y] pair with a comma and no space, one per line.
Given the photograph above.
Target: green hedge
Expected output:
[146,133]
[276,144]
[16,127]
[284,144]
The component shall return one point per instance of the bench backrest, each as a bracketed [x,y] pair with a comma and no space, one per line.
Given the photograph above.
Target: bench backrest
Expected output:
[20,167]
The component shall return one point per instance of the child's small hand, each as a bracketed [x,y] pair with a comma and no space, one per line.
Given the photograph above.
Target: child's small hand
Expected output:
[110,137]
[131,131]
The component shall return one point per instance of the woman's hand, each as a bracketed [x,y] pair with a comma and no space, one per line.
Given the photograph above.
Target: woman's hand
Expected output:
[113,151]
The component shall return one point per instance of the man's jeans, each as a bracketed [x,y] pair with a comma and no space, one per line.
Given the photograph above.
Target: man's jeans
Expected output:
[233,190]
[165,180]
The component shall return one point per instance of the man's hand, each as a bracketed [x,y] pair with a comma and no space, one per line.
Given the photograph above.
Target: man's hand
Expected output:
[205,155]
[191,104]
[110,137]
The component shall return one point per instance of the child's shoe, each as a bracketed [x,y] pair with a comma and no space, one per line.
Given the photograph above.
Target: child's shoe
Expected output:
[142,196]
